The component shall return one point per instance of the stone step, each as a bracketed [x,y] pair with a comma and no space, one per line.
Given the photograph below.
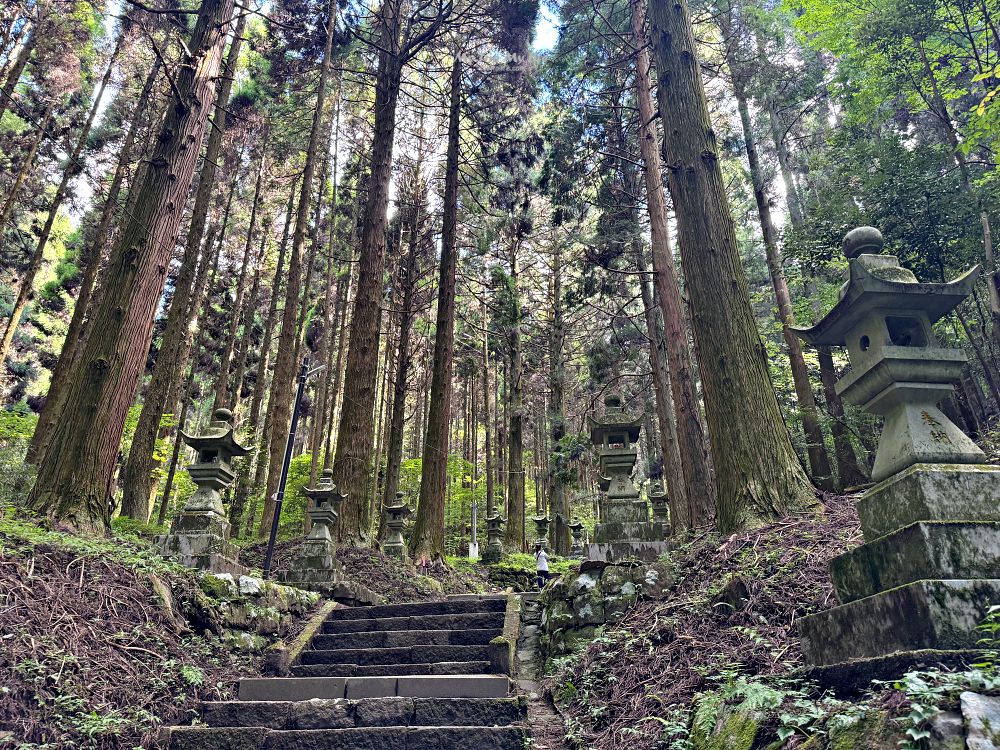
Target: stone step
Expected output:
[463,621]
[368,712]
[416,609]
[367,738]
[400,638]
[383,670]
[417,686]
[401,655]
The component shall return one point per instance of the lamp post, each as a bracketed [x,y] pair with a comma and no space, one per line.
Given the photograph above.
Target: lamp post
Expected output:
[304,373]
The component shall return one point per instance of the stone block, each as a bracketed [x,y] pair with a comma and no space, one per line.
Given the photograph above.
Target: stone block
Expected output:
[923,550]
[370,687]
[385,712]
[216,738]
[457,686]
[271,714]
[982,720]
[931,492]
[291,688]
[621,551]
[633,531]
[320,713]
[940,615]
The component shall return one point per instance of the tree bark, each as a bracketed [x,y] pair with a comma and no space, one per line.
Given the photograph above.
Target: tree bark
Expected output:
[355,434]
[282,386]
[559,534]
[139,475]
[698,497]
[75,477]
[428,531]
[819,461]
[758,475]
[514,533]
[76,333]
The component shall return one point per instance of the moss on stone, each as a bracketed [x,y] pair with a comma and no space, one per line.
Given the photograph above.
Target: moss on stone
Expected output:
[735,731]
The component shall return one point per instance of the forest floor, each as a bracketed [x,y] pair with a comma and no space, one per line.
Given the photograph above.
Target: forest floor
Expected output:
[726,632]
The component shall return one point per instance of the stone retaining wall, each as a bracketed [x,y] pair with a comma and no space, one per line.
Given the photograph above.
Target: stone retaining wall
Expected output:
[575,608]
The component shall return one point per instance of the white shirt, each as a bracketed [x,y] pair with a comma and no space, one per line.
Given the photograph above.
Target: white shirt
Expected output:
[541,561]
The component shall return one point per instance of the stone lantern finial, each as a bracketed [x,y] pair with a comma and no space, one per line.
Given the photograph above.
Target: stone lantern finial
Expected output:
[863,241]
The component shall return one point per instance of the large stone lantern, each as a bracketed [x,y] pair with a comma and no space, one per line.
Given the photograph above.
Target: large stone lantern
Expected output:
[199,535]
[625,531]
[930,566]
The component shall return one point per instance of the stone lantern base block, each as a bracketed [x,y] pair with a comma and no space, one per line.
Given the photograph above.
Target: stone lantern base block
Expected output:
[640,531]
[629,510]
[492,554]
[202,552]
[613,552]
[395,550]
[931,492]
[939,615]
[919,433]
[923,550]
[855,676]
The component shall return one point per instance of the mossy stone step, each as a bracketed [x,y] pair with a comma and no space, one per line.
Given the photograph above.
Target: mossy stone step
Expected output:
[404,638]
[370,712]
[417,686]
[461,621]
[368,738]
[385,670]
[401,655]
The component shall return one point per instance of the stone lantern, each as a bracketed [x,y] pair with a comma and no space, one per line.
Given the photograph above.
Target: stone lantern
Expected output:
[316,567]
[395,518]
[542,530]
[199,535]
[576,529]
[661,508]
[494,539]
[898,369]
[930,565]
[625,530]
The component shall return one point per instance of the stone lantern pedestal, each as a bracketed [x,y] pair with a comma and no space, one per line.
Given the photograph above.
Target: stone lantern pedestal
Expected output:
[396,515]
[494,539]
[930,565]
[199,534]
[625,531]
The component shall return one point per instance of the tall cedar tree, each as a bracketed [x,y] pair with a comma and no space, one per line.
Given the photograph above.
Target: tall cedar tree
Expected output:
[758,474]
[75,477]
[428,531]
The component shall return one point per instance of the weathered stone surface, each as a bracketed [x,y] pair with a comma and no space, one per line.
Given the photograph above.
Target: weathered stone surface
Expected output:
[626,550]
[273,714]
[982,721]
[921,615]
[733,731]
[941,549]
[931,492]
[376,738]
[386,712]
[319,713]
[456,712]
[947,731]
[216,738]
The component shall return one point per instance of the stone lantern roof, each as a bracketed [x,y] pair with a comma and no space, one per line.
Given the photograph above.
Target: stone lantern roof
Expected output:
[878,282]
[218,436]
[614,420]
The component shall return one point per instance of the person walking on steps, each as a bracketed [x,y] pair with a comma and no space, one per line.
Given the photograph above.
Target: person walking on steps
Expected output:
[541,565]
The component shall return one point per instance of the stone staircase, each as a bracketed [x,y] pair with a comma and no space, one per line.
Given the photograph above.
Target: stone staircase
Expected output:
[393,677]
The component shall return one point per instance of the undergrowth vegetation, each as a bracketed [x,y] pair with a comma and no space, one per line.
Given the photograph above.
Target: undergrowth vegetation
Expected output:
[103,641]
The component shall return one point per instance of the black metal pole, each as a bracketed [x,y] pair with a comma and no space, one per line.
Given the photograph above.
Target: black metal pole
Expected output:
[280,494]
